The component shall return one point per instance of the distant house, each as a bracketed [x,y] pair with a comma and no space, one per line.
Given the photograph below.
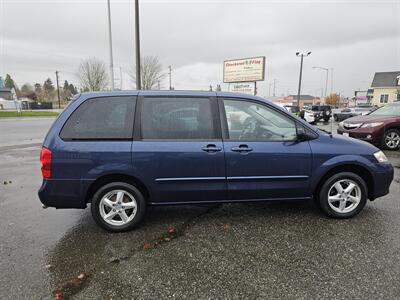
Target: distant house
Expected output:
[6,94]
[385,88]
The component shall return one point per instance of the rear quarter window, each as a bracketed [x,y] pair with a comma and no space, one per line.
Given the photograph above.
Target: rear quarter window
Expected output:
[105,118]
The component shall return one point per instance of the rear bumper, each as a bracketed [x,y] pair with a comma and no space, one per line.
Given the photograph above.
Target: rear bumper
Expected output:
[64,193]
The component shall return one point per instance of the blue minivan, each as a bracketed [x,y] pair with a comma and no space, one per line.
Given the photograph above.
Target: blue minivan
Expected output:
[122,151]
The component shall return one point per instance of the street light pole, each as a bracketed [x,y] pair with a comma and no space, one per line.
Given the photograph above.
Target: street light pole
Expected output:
[301,72]
[170,77]
[110,44]
[58,91]
[326,81]
[137,39]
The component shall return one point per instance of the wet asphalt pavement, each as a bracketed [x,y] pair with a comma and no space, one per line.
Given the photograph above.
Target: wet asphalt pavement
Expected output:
[264,250]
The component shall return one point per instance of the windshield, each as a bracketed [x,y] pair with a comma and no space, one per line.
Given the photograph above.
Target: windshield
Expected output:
[388,110]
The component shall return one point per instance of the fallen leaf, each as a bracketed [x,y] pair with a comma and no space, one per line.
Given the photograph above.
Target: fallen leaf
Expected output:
[171,230]
[58,294]
[147,246]
[226,226]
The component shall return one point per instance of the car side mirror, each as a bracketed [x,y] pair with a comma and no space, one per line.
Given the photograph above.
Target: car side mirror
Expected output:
[303,134]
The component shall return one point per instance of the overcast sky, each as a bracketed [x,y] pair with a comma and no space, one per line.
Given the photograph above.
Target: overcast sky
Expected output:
[355,38]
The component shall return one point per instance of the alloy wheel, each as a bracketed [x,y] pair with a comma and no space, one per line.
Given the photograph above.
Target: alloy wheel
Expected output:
[392,140]
[344,196]
[118,207]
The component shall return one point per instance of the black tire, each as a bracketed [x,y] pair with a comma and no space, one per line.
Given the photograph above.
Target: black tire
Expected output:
[386,135]
[326,114]
[324,205]
[102,191]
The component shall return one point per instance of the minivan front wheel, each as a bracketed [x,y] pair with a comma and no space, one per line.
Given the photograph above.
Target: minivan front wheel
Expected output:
[118,206]
[343,195]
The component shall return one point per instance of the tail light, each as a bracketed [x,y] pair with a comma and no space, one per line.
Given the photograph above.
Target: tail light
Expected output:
[45,160]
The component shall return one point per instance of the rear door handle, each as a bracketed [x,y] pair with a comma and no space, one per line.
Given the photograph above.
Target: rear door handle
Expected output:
[242,149]
[211,148]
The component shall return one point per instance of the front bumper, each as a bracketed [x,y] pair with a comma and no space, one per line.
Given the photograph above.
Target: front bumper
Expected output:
[371,135]
[383,177]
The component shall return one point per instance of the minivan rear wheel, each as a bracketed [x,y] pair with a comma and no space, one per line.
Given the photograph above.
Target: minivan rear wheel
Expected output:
[118,206]
[343,195]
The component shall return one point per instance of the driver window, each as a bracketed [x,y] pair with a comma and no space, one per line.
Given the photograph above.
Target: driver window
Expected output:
[249,121]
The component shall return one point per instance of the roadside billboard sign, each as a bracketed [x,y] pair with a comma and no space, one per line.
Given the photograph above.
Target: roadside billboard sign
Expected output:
[244,70]
[242,87]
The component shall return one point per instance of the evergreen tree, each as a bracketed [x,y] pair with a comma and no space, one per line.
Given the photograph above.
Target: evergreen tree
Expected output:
[69,90]
[66,87]
[9,82]
[48,90]
[38,88]
[73,89]
[48,86]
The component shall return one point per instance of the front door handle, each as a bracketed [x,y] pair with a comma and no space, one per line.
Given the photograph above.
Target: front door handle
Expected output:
[211,148]
[242,149]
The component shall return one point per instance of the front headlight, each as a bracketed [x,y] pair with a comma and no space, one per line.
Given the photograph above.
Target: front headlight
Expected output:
[341,124]
[380,157]
[370,125]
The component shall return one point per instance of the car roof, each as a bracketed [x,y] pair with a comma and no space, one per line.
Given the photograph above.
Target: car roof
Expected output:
[187,93]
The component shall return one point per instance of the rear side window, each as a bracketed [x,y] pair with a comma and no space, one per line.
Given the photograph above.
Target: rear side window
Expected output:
[177,118]
[106,118]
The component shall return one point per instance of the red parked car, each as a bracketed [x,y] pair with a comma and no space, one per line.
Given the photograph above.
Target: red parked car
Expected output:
[380,127]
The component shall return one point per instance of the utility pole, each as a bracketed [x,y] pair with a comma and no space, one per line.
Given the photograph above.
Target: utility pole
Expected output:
[274,87]
[137,39]
[301,72]
[120,77]
[331,80]
[110,44]
[170,77]
[58,91]
[255,88]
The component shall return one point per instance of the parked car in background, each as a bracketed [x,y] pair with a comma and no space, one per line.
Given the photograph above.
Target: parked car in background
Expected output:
[307,115]
[324,112]
[293,109]
[351,112]
[145,148]
[380,127]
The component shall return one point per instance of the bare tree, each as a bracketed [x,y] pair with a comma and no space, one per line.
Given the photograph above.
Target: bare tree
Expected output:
[150,72]
[92,75]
